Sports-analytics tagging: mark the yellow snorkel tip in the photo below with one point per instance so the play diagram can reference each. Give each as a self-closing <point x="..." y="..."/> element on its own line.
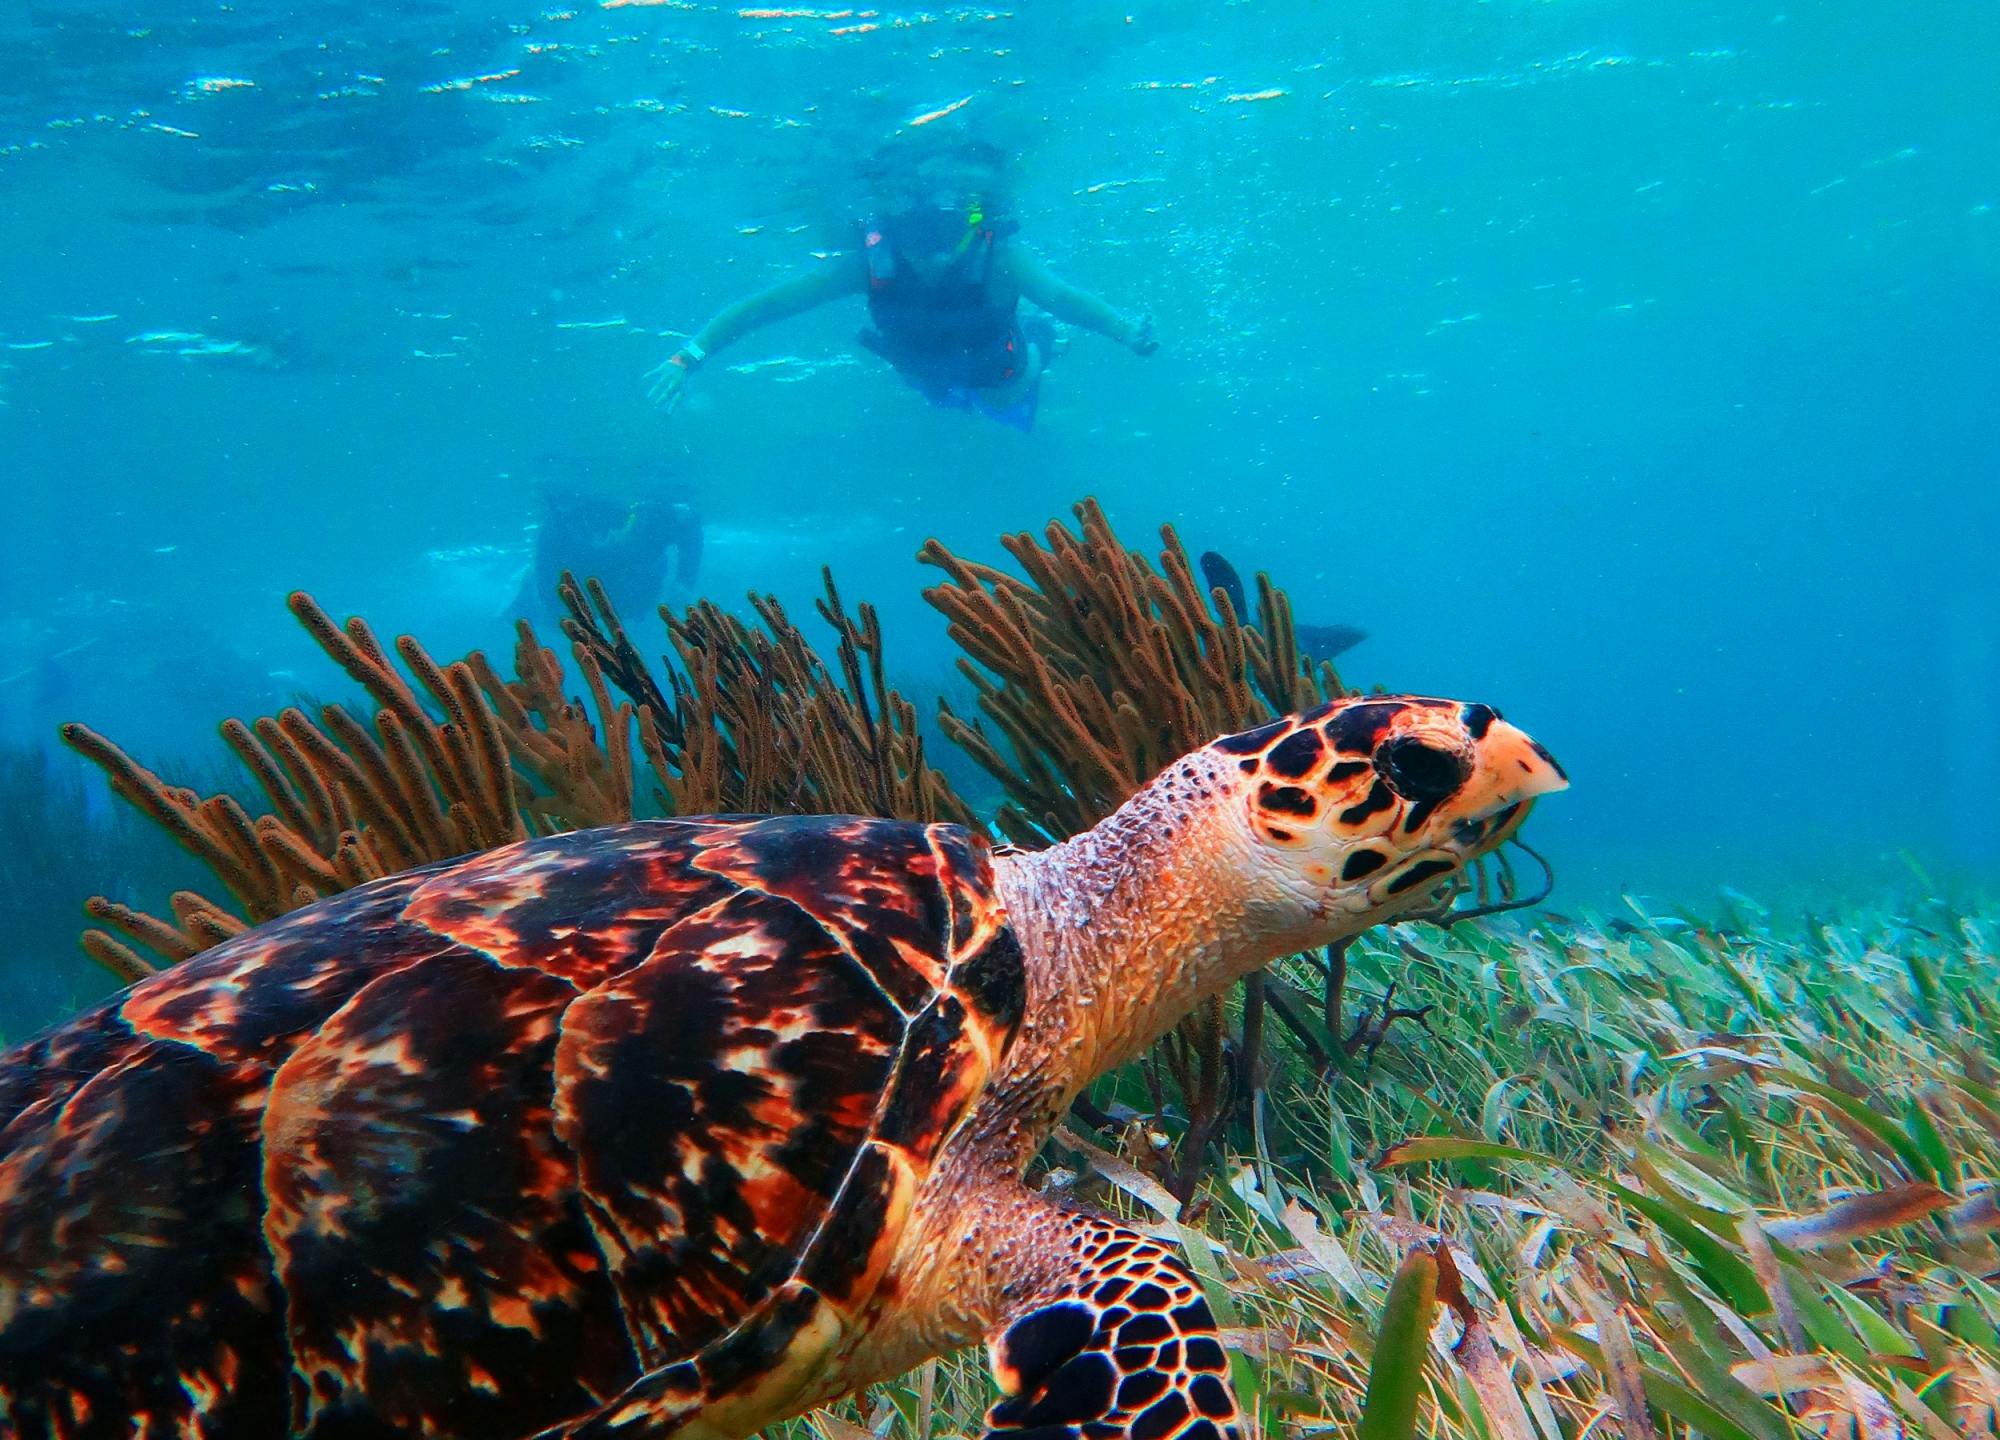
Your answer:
<point x="974" y="218"/>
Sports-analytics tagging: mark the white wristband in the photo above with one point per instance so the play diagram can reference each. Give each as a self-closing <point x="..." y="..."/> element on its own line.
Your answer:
<point x="694" y="352"/>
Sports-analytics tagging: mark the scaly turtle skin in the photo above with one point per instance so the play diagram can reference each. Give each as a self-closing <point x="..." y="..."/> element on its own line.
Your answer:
<point x="677" y="1128"/>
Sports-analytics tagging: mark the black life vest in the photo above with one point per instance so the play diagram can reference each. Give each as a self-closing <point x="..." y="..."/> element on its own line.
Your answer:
<point x="949" y="329"/>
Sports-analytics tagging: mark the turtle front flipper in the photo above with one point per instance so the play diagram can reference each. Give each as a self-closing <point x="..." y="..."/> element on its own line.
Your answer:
<point x="1121" y="1347"/>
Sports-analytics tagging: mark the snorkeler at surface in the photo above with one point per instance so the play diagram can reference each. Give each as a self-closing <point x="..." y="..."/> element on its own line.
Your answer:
<point x="622" y="542"/>
<point x="944" y="278"/>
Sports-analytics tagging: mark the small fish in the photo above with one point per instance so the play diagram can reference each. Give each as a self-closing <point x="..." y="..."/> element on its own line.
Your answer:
<point x="1322" y="642"/>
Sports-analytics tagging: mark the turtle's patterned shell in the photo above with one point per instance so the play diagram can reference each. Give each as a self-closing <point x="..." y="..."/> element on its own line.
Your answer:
<point x="464" y="1151"/>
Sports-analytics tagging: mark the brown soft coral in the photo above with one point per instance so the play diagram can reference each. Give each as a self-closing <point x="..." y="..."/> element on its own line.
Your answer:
<point x="472" y="760"/>
<point x="470" y="763"/>
<point x="1099" y="668"/>
<point x="754" y="721"/>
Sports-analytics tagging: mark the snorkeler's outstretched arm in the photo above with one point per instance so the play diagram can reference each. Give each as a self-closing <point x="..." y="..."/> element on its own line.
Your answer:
<point x="1075" y="306"/>
<point x="802" y="292"/>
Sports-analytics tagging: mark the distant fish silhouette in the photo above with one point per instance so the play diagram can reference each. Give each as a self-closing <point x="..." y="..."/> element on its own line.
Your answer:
<point x="1322" y="642"/>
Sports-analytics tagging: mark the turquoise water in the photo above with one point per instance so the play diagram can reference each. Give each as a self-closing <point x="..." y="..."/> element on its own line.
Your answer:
<point x="1628" y="367"/>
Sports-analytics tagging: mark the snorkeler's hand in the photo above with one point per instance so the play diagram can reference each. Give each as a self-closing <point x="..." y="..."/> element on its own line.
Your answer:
<point x="669" y="378"/>
<point x="1142" y="341"/>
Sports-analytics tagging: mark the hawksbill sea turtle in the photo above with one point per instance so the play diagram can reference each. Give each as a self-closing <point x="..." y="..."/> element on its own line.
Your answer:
<point x="682" y="1127"/>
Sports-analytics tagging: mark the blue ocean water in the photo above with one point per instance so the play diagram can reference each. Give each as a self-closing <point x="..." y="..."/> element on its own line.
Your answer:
<point x="1626" y="366"/>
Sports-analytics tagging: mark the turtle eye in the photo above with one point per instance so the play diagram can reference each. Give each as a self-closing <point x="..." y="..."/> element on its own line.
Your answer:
<point x="1420" y="772"/>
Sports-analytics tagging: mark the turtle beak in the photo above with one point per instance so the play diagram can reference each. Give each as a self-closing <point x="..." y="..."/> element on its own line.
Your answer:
<point x="1510" y="772"/>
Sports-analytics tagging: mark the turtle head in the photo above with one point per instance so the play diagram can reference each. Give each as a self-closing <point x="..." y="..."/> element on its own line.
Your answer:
<point x="1257" y="845"/>
<point x="1364" y="808"/>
